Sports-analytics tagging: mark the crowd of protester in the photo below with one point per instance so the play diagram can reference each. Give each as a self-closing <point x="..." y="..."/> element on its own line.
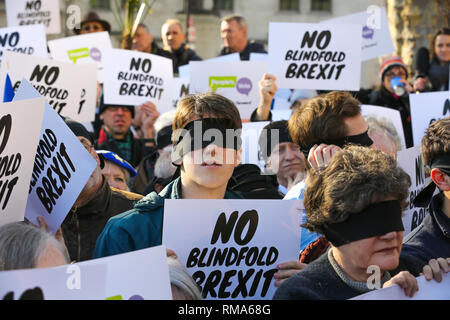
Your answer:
<point x="342" y="165"/>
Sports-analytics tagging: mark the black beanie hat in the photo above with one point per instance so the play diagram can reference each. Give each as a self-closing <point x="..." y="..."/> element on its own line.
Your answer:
<point x="265" y="140"/>
<point x="78" y="129"/>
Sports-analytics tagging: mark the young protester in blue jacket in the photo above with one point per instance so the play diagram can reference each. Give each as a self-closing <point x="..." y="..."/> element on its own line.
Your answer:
<point x="205" y="167"/>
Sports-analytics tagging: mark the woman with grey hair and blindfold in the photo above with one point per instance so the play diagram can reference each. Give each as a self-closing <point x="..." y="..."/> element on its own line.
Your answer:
<point x="357" y="203"/>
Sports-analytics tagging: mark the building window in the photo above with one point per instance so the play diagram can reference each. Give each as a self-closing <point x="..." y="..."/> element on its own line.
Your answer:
<point x="101" y="4"/>
<point x="289" y="5"/>
<point x="321" y="5"/>
<point x="223" y="5"/>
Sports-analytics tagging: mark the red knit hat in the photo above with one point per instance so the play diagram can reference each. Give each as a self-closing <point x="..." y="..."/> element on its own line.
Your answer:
<point x="390" y="62"/>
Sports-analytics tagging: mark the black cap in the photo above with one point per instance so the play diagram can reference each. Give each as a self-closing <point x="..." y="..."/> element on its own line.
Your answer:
<point x="265" y="140"/>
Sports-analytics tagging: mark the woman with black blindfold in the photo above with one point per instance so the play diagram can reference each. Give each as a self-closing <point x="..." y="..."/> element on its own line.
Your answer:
<point x="357" y="203"/>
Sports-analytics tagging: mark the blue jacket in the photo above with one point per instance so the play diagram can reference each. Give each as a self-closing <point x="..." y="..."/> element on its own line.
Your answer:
<point x="140" y="227"/>
<point x="430" y="240"/>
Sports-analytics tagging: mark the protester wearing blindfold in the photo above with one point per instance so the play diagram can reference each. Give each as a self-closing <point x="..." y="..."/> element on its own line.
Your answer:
<point x="206" y="149"/>
<point x="429" y="243"/>
<point x="356" y="202"/>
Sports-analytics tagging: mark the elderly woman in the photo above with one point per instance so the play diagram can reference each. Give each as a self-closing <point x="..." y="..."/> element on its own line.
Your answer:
<point x="356" y="202"/>
<point x="116" y="170"/>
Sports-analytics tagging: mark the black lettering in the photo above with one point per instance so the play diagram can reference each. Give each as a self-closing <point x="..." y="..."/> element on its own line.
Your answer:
<point x="225" y="283"/>
<point x="224" y="228"/>
<point x="241" y="288"/>
<point x="250" y="218"/>
<point x="192" y="258"/>
<point x="211" y="282"/>
<point x="44" y="199"/>
<point x="5" y="130"/>
<point x="308" y="39"/>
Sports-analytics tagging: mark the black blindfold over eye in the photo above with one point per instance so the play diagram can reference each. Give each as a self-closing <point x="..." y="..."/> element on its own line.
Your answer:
<point x="375" y="220"/>
<point x="198" y="134"/>
<point x="362" y="139"/>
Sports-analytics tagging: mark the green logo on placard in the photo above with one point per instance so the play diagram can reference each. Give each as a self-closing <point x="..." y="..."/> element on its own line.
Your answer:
<point x="76" y="54"/>
<point x="222" y="82"/>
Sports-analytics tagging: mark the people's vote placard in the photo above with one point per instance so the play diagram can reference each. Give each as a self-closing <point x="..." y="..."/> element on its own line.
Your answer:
<point x="82" y="49"/>
<point x="315" y="56"/>
<point x="34" y="12"/>
<point x="375" y="34"/>
<point x="232" y="247"/>
<point x="236" y="80"/>
<point x="70" y="89"/>
<point x="20" y="125"/>
<point x="62" y="166"/>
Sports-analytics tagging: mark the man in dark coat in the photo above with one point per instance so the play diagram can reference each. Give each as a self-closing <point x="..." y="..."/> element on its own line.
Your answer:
<point x="233" y="30"/>
<point x="175" y="42"/>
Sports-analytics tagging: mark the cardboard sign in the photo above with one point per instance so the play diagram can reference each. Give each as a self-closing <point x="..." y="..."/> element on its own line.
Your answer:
<point x="428" y="290"/>
<point x="27" y="40"/>
<point x="238" y="81"/>
<point x="20" y="125"/>
<point x="410" y="160"/>
<point x="184" y="71"/>
<point x="225" y="246"/>
<point x="69" y="282"/>
<point x="70" y="90"/>
<point x="375" y="34"/>
<point x="388" y="116"/>
<point x="315" y="56"/>
<point x="132" y="78"/>
<point x="180" y="89"/>
<point x="251" y="132"/>
<point x="30" y="12"/>
<point x="85" y="48"/>
<point x="255" y="56"/>
<point x="61" y="169"/>
<point x="427" y="108"/>
<point x="146" y="276"/>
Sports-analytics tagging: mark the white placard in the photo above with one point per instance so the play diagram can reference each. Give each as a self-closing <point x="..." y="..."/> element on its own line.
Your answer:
<point x="315" y="56"/>
<point x="20" y="125"/>
<point x="225" y="244"/>
<point x="69" y="282"/>
<point x="184" y="71"/>
<point x="71" y="90"/>
<point x="81" y="49"/>
<point x="376" y="36"/>
<point x="281" y="114"/>
<point x="410" y="160"/>
<point x="27" y="40"/>
<point x="428" y="290"/>
<point x="132" y="78"/>
<point x="390" y="116"/>
<point x="251" y="132"/>
<point x="61" y="169"/>
<point x="255" y="56"/>
<point x="31" y="12"/>
<point x="180" y="89"/>
<point x="427" y="108"/>
<point x="146" y="276"/>
<point x="238" y="81"/>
